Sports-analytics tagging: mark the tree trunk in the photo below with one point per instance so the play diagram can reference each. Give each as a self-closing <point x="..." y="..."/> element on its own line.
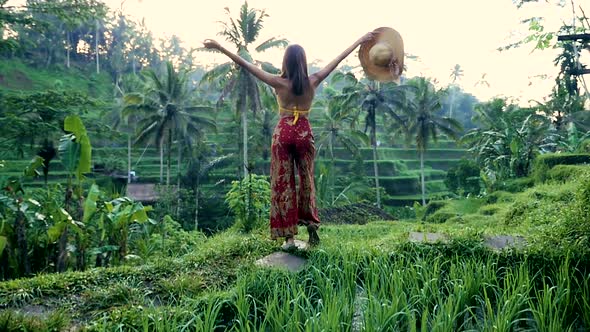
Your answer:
<point x="62" y="257"/>
<point x="123" y="244"/>
<point x="375" y="157"/>
<point x="422" y="178"/>
<point x="332" y="170"/>
<point x="161" y="161"/>
<point x="63" y="239"/>
<point x="128" y="158"/>
<point x="244" y="138"/>
<point x="169" y="157"/>
<point x="68" y="46"/>
<point x="81" y="254"/>
<point x="452" y="103"/>
<point x="99" y="256"/>
<point x="96" y="49"/>
<point x="178" y="179"/>
<point x="197" y="204"/>
<point x="21" y="240"/>
<point x="133" y="63"/>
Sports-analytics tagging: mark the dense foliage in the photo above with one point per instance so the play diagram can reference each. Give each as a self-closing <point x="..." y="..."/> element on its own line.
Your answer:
<point x="92" y="104"/>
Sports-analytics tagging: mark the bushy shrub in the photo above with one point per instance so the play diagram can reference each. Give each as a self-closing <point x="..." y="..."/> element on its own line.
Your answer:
<point x="489" y="210"/>
<point x="168" y="204"/>
<point x="170" y="240"/>
<point x="516" y="185"/>
<point x="545" y="162"/>
<point x="564" y="173"/>
<point x="584" y="146"/>
<point x="249" y="200"/>
<point x="517" y="210"/>
<point x="577" y="228"/>
<point x="358" y="213"/>
<point x="464" y="178"/>
<point x="499" y="196"/>
<point x="432" y="207"/>
<point x="435" y="186"/>
<point x="440" y="217"/>
<point x="402" y="212"/>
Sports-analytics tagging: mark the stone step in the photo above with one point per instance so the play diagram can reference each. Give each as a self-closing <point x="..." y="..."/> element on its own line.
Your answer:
<point x="282" y="260"/>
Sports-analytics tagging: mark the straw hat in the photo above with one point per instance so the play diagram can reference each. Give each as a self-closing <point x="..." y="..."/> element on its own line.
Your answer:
<point x="382" y="57"/>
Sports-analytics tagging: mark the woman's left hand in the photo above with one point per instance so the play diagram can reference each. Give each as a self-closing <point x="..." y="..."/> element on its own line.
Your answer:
<point x="211" y="44"/>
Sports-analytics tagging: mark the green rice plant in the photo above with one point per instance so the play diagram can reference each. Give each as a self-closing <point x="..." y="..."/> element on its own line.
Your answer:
<point x="52" y="322"/>
<point x="547" y="309"/>
<point x="467" y="279"/>
<point x="246" y="309"/>
<point x="583" y="300"/>
<point x="510" y="308"/>
<point x="175" y="288"/>
<point x="336" y="287"/>
<point x="384" y="310"/>
<point x="117" y="295"/>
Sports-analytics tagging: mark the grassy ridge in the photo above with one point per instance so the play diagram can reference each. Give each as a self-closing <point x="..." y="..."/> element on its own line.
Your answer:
<point x="360" y="277"/>
<point x="17" y="77"/>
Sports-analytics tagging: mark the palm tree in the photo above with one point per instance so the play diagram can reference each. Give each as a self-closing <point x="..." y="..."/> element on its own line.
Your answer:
<point x="424" y="124"/>
<point x="482" y="81"/>
<point x="373" y="97"/>
<point x="199" y="166"/>
<point x="264" y="121"/>
<point x="508" y="138"/>
<point x="456" y="74"/>
<point x="167" y="112"/>
<point x="339" y="127"/>
<point x="237" y="82"/>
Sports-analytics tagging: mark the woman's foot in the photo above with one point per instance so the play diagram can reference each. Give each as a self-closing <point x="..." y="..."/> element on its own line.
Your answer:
<point x="312" y="230"/>
<point x="289" y="243"/>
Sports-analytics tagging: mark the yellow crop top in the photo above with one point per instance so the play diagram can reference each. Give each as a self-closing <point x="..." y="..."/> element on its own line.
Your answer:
<point x="296" y="112"/>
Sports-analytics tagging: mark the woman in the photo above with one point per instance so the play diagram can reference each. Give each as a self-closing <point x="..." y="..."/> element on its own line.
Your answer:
<point x="292" y="140"/>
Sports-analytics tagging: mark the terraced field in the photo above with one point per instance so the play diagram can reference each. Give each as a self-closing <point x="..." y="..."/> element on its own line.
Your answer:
<point x="399" y="172"/>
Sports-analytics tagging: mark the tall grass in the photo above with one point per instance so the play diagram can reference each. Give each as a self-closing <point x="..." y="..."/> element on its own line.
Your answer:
<point x="414" y="288"/>
<point x="404" y="291"/>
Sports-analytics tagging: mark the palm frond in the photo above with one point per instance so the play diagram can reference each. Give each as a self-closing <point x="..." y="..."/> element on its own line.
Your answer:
<point x="271" y="43"/>
<point x="269" y="67"/>
<point x="204" y="169"/>
<point x="217" y="73"/>
<point x="145" y="132"/>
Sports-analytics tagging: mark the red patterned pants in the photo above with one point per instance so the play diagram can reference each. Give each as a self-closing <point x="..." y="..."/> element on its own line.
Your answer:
<point x="292" y="148"/>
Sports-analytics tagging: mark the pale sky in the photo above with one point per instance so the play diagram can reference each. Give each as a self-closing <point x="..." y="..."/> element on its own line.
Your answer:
<point x="441" y="33"/>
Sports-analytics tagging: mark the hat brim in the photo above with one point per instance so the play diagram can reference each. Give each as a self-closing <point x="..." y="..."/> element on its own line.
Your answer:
<point x="383" y="73"/>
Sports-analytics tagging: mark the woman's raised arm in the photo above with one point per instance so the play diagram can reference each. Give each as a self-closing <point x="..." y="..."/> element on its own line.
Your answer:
<point x="268" y="78"/>
<point x="318" y="77"/>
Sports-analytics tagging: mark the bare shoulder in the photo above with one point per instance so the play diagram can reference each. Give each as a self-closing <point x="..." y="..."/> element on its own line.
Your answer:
<point x="315" y="80"/>
<point x="280" y="84"/>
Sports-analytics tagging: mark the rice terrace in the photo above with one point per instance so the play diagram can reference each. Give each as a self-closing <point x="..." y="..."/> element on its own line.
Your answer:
<point x="294" y="166"/>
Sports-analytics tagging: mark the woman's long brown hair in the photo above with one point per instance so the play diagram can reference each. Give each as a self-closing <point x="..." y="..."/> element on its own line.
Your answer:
<point x="295" y="69"/>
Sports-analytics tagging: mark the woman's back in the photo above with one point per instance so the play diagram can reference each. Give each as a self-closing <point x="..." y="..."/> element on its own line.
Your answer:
<point x="289" y="100"/>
